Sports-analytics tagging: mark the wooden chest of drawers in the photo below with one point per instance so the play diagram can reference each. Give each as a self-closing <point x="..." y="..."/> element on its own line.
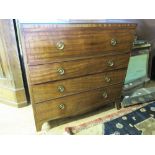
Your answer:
<point x="73" y="68"/>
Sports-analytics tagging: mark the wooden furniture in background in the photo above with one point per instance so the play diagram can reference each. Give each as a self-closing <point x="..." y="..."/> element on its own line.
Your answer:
<point x="73" y="68"/>
<point x="12" y="89"/>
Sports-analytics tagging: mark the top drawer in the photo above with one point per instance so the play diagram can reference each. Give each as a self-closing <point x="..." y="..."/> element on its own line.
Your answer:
<point x="60" y="42"/>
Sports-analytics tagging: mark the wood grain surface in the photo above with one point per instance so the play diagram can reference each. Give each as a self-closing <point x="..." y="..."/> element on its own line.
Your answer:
<point x="47" y="91"/>
<point x="76" y="104"/>
<point x="79" y="42"/>
<point x="49" y="72"/>
<point x="12" y="90"/>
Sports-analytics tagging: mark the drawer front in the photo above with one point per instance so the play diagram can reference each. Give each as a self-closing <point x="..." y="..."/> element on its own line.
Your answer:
<point x="55" y="43"/>
<point x="58" y="71"/>
<point x="47" y="91"/>
<point x="76" y="104"/>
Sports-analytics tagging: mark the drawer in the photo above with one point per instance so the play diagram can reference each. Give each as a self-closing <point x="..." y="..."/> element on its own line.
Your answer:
<point x="59" y="43"/>
<point x="47" y="91"/>
<point x="64" y="70"/>
<point x="76" y="104"/>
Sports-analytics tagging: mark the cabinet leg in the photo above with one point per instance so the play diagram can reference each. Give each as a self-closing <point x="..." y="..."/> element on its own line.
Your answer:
<point x="39" y="126"/>
<point x="118" y="104"/>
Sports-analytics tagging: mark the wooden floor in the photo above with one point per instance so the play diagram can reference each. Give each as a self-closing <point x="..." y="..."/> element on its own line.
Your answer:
<point x="21" y="121"/>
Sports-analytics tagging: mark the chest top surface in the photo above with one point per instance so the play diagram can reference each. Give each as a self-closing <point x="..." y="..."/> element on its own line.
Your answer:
<point x="106" y="23"/>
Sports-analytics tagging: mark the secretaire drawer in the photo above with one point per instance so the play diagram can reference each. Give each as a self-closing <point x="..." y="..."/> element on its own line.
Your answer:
<point x="55" y="43"/>
<point x="51" y="90"/>
<point x="76" y="104"/>
<point x="58" y="71"/>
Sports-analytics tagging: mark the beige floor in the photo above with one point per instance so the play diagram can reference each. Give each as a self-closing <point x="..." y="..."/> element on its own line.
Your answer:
<point x="20" y="120"/>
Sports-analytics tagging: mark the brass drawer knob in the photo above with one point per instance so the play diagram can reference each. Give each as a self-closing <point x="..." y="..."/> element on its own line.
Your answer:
<point x="61" y="106"/>
<point x="113" y="42"/>
<point x="107" y="79"/>
<point x="110" y="63"/>
<point x="60" y="45"/>
<point x="105" y="95"/>
<point x="61" y="89"/>
<point x="61" y="71"/>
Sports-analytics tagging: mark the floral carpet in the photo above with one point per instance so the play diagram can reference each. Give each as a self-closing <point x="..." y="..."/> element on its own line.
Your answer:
<point x="135" y="120"/>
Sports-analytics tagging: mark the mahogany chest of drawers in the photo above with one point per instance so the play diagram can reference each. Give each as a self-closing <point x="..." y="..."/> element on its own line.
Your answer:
<point x="73" y="68"/>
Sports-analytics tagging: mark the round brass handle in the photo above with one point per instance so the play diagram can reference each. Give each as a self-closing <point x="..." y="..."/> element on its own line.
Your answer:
<point x="107" y="79"/>
<point x="61" y="71"/>
<point x="110" y="63"/>
<point x="60" y="45"/>
<point x="61" y="106"/>
<point x="113" y="42"/>
<point x="105" y="95"/>
<point x="61" y="89"/>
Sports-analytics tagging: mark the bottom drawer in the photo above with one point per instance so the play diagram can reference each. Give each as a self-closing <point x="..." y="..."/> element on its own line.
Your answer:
<point x="76" y="104"/>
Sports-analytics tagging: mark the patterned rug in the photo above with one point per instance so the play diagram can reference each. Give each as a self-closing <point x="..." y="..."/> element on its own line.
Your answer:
<point x="137" y="120"/>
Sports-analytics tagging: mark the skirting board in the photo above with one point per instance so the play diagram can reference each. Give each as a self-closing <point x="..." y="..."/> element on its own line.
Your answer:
<point x="13" y="97"/>
<point x="13" y="104"/>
